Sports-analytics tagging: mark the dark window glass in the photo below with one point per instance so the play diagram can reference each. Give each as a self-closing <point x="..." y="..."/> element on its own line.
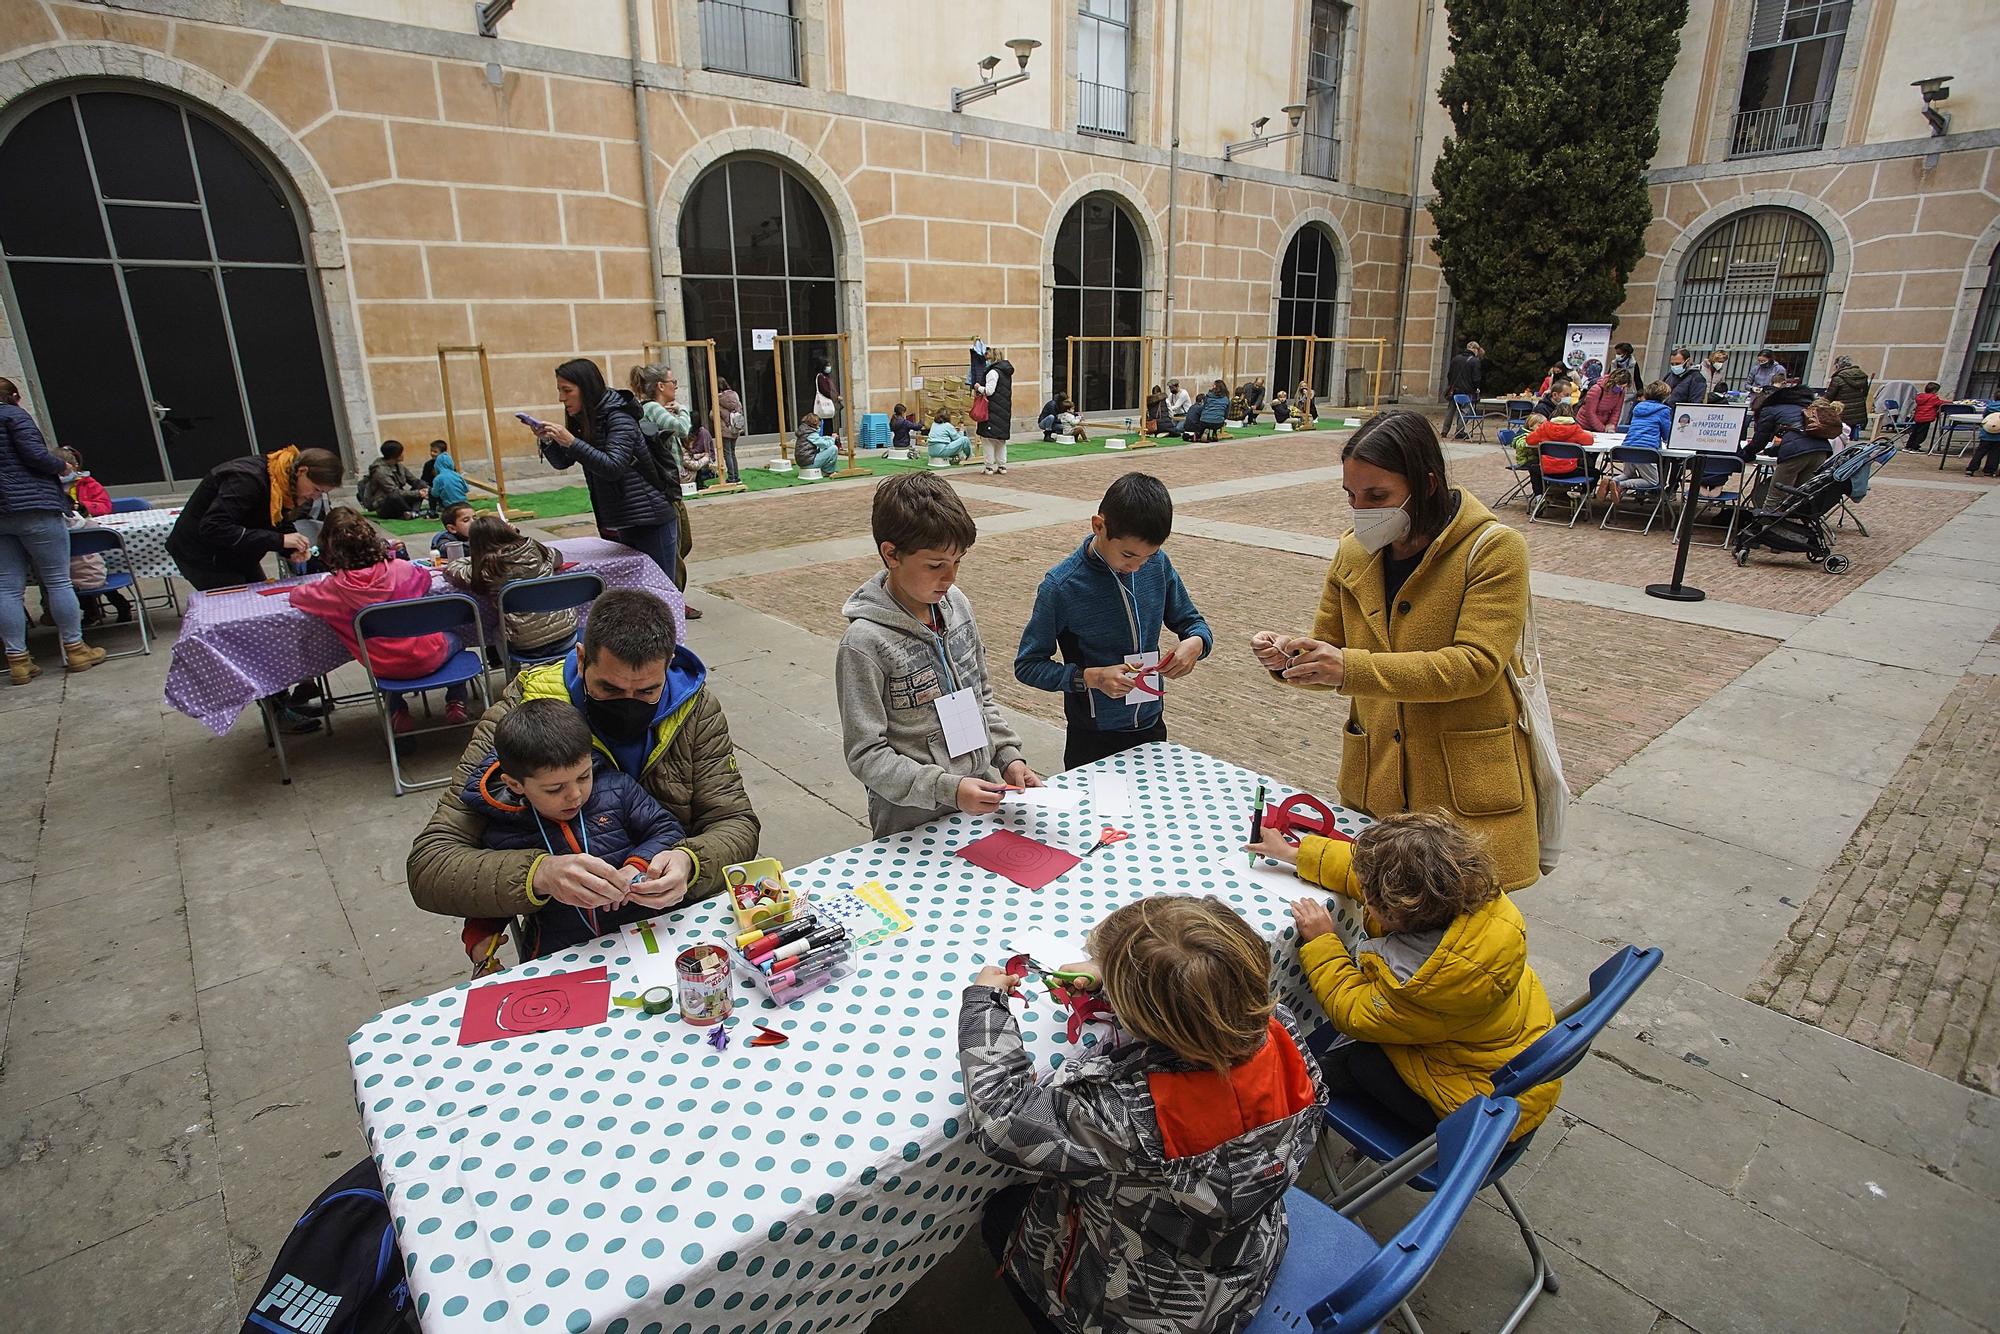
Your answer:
<point x="157" y="233"/>
<point x="90" y="391"/>
<point x="757" y="221"/>
<point x="808" y="244"/>
<point x="277" y="344"/>
<point x="1308" y="282"/>
<point x="1097" y="243"/>
<point x="1063" y="323"/>
<point x="1100" y="271"/>
<point x="249" y="213"/>
<point x="705" y="227"/>
<point x="1125" y="313"/>
<point x="1069" y="250"/>
<point x="57" y="217"/>
<point x="139" y="147"/>
<point x="1128" y="261"/>
<point x="181" y="336"/>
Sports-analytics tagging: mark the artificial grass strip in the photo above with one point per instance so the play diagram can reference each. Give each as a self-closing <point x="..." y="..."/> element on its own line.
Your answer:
<point x="572" y="500"/>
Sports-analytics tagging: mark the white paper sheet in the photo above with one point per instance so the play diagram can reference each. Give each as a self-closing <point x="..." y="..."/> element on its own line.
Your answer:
<point x="964" y="722"/>
<point x="1111" y="794"/>
<point x="1053" y="798"/>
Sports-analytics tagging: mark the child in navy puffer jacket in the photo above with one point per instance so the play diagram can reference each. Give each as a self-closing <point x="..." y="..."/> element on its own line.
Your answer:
<point x="539" y="788"/>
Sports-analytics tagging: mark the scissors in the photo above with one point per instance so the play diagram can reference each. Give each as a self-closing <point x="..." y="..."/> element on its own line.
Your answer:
<point x="1110" y="836"/>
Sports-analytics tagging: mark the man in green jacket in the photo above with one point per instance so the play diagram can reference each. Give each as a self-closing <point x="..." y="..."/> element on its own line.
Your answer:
<point x="650" y="715"/>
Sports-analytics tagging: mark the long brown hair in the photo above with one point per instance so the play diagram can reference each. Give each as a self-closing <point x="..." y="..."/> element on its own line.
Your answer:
<point x="1189" y="974"/>
<point x="488" y="537"/>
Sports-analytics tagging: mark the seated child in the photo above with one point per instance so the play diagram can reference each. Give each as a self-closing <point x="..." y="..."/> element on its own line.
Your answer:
<point x="1650" y="427"/>
<point x="1924" y="415"/>
<point x="1161" y="1163"/>
<point x="911" y="641"/>
<point x="88" y="498"/>
<point x="812" y="449"/>
<point x="439" y="450"/>
<point x="389" y="490"/>
<point x="1986" y="454"/>
<point x="447" y="484"/>
<point x="1281" y="407"/>
<point x="1440" y="995"/>
<point x="1069" y="422"/>
<point x="1305" y="408"/>
<point x="87" y="495"/>
<point x="698" y="458"/>
<point x="901" y="427"/>
<point x="500" y="554"/>
<point x="538" y="788"/>
<point x="363" y="575"/>
<point x="946" y="441"/>
<point x="457" y="526"/>
<point x="1527" y="448"/>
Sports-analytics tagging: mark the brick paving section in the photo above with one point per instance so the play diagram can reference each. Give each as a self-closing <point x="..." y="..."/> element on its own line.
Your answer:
<point x="789" y="519"/>
<point x="1899" y="947"/>
<point x="1616" y="680"/>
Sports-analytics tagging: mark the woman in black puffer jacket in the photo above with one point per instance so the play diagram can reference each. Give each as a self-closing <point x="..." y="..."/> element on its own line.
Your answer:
<point x="601" y="432"/>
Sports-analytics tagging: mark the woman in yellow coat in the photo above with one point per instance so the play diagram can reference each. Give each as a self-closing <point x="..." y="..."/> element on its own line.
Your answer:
<point x="1419" y="618"/>
<point x="1440" y="995"/>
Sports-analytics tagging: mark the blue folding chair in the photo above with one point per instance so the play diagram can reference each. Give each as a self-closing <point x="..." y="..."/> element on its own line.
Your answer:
<point x="551" y="592"/>
<point x="1654" y="491"/>
<point x="1523" y="479"/>
<point x="406" y="619"/>
<point x="101" y="542"/>
<point x="130" y="504"/>
<point x="1722" y="481"/>
<point x="1577" y="485"/>
<point x="1383" y="1139"/>
<point x="1519" y="410"/>
<point x="1469" y="415"/>
<point x="1334" y="1276"/>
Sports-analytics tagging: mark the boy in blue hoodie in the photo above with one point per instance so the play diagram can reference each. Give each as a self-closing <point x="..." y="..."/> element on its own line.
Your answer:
<point x="1105" y="602"/>
<point x="540" y="788"/>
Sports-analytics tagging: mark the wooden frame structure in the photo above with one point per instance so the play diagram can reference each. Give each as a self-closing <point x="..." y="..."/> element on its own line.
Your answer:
<point x="1139" y="440"/>
<point x="842" y="360"/>
<point x="499" y="487"/>
<point x="647" y="350"/>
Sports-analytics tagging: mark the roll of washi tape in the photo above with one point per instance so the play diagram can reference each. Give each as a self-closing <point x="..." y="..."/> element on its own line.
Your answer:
<point x="653" y="1000"/>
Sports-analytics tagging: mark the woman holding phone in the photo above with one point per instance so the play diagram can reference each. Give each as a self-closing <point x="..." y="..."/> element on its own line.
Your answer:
<point x="600" y="431"/>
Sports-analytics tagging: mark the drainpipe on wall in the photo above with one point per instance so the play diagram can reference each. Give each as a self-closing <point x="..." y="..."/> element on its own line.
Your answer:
<point x="1424" y="99"/>
<point x="1173" y="206"/>
<point x="650" y="202"/>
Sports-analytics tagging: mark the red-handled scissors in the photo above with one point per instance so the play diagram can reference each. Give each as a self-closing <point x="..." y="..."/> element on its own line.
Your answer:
<point x="1110" y="836"/>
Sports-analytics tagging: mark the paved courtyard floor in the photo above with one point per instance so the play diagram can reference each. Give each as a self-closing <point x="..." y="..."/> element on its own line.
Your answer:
<point x="1789" y="787"/>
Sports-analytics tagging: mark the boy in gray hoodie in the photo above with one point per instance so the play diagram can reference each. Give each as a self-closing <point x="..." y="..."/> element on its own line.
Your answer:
<point x="918" y="720"/>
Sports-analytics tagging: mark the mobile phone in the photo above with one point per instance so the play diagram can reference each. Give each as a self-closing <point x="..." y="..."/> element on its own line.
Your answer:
<point x="528" y="421"/>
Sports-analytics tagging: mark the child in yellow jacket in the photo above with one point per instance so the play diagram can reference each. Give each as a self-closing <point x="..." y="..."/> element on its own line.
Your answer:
<point x="1440" y="995"/>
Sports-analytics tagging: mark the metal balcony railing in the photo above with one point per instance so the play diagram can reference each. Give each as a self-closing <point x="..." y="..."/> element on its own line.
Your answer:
<point x="740" y="39"/>
<point x="1320" y="156"/>
<point x="1103" y="110"/>
<point x="1798" y="128"/>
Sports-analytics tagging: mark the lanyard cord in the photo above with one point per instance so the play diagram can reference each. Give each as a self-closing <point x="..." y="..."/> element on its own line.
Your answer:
<point x="541" y="829"/>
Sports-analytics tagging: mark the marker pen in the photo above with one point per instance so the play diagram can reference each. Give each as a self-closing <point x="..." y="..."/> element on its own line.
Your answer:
<point x="798" y="979"/>
<point x="795" y="948"/>
<point x="778" y="936"/>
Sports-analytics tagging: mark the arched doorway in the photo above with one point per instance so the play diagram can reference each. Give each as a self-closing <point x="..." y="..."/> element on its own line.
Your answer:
<point x="1757" y="279"/>
<point x="757" y="255"/>
<point x="157" y="272"/>
<point x="1100" y="290"/>
<point x="1982" y="366"/>
<point x="1308" y="302"/>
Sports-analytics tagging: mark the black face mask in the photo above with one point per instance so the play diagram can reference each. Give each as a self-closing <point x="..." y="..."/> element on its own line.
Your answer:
<point x="620" y="721"/>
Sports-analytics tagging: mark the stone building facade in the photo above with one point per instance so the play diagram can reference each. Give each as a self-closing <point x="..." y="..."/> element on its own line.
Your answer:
<point x="454" y="188"/>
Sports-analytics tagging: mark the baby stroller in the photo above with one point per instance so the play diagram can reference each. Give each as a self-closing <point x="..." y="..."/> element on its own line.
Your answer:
<point x="1797" y="522"/>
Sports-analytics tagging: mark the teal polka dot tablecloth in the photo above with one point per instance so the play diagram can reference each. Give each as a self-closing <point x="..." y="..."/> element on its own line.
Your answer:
<point x="631" y="1179"/>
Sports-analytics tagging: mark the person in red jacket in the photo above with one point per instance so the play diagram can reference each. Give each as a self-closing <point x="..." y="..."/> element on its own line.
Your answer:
<point x="1926" y="413"/>
<point x="363" y="575"/>
<point x="1527" y="447"/>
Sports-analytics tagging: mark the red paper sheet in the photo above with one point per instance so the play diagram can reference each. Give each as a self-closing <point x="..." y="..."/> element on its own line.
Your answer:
<point x="1027" y="863"/>
<point x="535" y="1005"/>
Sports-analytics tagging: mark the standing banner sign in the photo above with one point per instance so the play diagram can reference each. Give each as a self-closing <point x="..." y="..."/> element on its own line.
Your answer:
<point x="1710" y="430"/>
<point x="1586" y="343"/>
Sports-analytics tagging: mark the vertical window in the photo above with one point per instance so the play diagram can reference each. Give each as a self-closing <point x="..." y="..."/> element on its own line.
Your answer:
<point x="1788" y="76"/>
<point x="157" y="272"/>
<point x="1099" y="293"/>
<point x="1103" y="65"/>
<point x="1325" y="43"/>
<point x="759" y="38"/>
<point x="1756" y="280"/>
<point x="1308" y="290"/>
<point x="1982" y="379"/>
<point x="757" y="254"/>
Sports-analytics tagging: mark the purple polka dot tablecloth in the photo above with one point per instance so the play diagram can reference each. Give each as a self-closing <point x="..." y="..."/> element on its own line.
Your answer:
<point x="629" y="1177"/>
<point x="235" y="648"/>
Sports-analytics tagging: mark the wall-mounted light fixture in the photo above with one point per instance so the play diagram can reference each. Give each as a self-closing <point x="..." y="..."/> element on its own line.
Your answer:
<point x="1934" y="91"/>
<point x="1022" y="47"/>
<point x="1293" y="113"/>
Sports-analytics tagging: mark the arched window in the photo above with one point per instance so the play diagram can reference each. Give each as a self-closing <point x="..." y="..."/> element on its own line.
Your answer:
<point x="1982" y="368"/>
<point x="758" y="255"/>
<point x="1755" y="280"/>
<point x="1100" y="291"/>
<point x="157" y="273"/>
<point x="1308" y="288"/>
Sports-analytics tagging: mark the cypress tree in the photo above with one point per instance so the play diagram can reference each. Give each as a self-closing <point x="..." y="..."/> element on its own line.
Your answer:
<point x="1541" y="204"/>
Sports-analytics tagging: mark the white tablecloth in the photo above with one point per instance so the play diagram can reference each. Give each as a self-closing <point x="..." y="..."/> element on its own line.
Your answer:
<point x="630" y="1177"/>
<point x="145" y="533"/>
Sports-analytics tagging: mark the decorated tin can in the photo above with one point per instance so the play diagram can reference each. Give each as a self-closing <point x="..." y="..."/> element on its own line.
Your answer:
<point x="705" y="994"/>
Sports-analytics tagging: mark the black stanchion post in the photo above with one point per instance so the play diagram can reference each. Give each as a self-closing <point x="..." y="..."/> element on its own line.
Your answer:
<point x="1677" y="591"/>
